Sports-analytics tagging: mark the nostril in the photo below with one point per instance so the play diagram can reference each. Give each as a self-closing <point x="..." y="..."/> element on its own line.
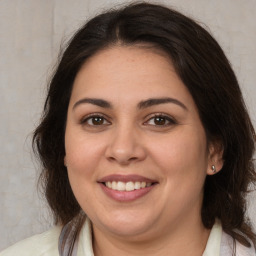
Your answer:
<point x="132" y="158"/>
<point x="122" y="160"/>
<point x="111" y="158"/>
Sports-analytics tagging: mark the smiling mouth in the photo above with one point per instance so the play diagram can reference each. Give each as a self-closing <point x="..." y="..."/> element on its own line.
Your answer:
<point x="127" y="186"/>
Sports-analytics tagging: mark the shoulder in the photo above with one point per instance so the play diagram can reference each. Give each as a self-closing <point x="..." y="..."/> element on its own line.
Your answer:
<point x="227" y="244"/>
<point x="39" y="245"/>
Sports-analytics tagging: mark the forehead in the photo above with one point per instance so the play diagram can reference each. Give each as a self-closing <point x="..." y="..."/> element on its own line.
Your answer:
<point x="129" y="72"/>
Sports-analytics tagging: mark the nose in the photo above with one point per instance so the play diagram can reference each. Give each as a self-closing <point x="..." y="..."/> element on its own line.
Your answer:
<point x="125" y="146"/>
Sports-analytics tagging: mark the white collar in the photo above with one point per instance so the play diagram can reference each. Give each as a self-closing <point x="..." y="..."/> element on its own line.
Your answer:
<point x="213" y="244"/>
<point x="85" y="240"/>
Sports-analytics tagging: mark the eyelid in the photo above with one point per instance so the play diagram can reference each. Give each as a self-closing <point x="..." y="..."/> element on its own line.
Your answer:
<point x="91" y="115"/>
<point x="170" y="119"/>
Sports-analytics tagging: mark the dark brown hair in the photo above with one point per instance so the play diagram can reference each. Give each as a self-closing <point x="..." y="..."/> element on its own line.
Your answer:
<point x="204" y="69"/>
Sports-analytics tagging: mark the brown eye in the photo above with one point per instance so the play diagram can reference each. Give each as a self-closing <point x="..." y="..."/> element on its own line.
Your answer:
<point x="95" y="120"/>
<point x="160" y="120"/>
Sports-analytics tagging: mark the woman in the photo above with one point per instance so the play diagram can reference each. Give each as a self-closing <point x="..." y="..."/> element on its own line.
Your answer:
<point x="145" y="142"/>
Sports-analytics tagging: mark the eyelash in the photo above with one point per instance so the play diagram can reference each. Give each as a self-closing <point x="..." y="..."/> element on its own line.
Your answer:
<point x="166" y="118"/>
<point x="91" y="116"/>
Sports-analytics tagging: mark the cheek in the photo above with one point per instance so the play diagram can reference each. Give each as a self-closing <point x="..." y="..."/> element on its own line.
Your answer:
<point x="82" y="158"/>
<point x="82" y="153"/>
<point x="182" y="152"/>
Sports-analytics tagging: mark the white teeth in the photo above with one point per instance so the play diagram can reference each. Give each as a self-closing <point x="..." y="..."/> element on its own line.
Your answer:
<point x="127" y="186"/>
<point x="137" y="185"/>
<point x="109" y="184"/>
<point x="120" y="186"/>
<point x="113" y="185"/>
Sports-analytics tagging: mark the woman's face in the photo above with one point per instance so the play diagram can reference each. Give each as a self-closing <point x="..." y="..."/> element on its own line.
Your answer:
<point x="136" y="150"/>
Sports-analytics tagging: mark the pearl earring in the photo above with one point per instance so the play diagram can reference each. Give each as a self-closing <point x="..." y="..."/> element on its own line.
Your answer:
<point x="214" y="169"/>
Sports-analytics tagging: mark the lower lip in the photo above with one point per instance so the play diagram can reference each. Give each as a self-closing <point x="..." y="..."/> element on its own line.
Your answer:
<point x="125" y="196"/>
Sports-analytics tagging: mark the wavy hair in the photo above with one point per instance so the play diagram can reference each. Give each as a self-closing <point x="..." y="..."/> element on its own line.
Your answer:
<point x="204" y="69"/>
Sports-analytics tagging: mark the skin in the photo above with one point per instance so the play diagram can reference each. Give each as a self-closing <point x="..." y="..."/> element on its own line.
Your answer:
<point x="129" y="140"/>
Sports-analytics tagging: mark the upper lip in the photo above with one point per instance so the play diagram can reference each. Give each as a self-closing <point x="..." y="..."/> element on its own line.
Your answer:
<point x="126" y="178"/>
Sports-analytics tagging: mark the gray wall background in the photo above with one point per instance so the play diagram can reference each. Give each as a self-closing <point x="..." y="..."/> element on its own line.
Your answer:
<point x="31" y="32"/>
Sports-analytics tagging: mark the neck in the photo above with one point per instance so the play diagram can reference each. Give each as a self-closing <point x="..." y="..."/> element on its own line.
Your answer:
<point x="190" y="238"/>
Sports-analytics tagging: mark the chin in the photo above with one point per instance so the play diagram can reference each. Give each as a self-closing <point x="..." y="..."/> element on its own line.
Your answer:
<point x="126" y="226"/>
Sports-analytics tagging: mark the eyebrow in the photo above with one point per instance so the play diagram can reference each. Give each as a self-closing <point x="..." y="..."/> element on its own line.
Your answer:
<point x="98" y="102"/>
<point x="157" y="101"/>
<point x="141" y="105"/>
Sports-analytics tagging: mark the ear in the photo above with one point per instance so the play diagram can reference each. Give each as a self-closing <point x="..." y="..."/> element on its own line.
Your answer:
<point x="215" y="157"/>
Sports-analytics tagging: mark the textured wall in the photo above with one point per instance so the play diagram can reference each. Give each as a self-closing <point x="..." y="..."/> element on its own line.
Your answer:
<point x="30" y="34"/>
